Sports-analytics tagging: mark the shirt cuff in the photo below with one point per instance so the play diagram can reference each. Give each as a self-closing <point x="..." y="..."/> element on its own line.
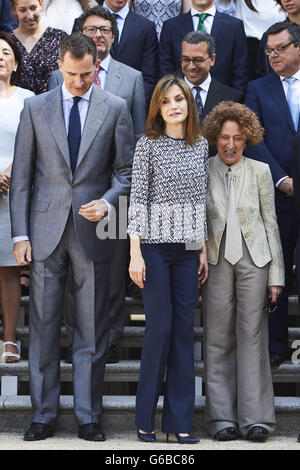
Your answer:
<point x="109" y="207"/>
<point x="279" y="181"/>
<point x="21" y="238"/>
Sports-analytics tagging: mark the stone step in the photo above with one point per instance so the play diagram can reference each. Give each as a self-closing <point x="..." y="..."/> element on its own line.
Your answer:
<point x="128" y="371"/>
<point x="133" y="336"/>
<point x="119" y="414"/>
<point x="136" y="305"/>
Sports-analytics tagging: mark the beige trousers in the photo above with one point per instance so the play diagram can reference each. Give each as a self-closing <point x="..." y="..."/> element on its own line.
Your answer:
<point x="239" y="389"/>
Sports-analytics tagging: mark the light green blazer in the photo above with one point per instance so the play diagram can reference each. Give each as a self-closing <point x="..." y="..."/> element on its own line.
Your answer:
<point x="256" y="213"/>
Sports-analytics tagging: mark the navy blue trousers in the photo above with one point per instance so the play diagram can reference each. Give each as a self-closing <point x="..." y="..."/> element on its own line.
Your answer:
<point x="169" y="295"/>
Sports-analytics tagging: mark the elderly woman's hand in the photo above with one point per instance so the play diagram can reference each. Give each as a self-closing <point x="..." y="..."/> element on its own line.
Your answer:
<point x="274" y="293"/>
<point x="4" y="183"/>
<point x="203" y="265"/>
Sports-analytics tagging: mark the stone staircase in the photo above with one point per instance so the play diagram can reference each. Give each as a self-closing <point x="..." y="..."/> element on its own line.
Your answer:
<point x="121" y="380"/>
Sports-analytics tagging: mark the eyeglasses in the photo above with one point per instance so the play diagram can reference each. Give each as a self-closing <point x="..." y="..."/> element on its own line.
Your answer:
<point x="196" y="60"/>
<point x="278" y="49"/>
<point x="92" y="30"/>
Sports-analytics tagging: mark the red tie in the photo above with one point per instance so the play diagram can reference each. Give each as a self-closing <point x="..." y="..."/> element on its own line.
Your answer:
<point x="97" y="80"/>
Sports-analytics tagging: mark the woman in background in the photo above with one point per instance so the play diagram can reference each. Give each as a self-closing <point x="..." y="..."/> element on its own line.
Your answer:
<point x="39" y="45"/>
<point x="257" y="16"/>
<point x="61" y="14"/>
<point x="160" y="10"/>
<point x="11" y="104"/>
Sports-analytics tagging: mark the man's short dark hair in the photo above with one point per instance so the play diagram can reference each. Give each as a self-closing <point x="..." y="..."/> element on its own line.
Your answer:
<point x="78" y="45"/>
<point x="195" y="37"/>
<point x="98" y="11"/>
<point x="293" y="30"/>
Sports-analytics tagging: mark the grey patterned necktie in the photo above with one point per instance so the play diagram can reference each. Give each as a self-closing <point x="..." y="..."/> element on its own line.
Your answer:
<point x="198" y="100"/>
<point x="233" y="243"/>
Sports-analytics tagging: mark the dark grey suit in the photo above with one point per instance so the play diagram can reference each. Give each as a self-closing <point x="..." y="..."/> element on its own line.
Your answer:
<point x="45" y="198"/>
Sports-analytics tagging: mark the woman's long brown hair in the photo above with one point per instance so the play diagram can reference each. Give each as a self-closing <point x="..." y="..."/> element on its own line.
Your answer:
<point x="155" y="125"/>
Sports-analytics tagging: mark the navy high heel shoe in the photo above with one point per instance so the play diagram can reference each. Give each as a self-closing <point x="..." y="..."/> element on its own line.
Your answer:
<point x="146" y="437"/>
<point x="185" y="439"/>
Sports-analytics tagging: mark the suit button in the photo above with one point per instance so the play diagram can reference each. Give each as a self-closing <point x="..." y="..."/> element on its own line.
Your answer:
<point x="68" y="208"/>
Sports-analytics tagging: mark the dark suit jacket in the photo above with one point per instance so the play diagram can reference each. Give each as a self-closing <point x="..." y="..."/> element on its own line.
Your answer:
<point x="266" y="98"/>
<point x="7" y="21"/>
<point x="296" y="172"/>
<point x="231" y="66"/>
<point x="138" y="48"/>
<point x="219" y="92"/>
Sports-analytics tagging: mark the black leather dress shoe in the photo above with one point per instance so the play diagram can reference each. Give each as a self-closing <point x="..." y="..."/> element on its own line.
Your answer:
<point x="91" y="432"/>
<point x="258" y="434"/>
<point x="226" y="434"/>
<point x="276" y="360"/>
<point x="38" y="432"/>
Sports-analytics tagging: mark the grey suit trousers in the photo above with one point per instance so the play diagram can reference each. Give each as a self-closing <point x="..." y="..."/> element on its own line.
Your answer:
<point x="239" y="389"/>
<point x="115" y="295"/>
<point x="90" y="334"/>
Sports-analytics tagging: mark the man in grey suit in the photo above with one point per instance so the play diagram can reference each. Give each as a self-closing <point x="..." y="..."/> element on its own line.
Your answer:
<point x="72" y="161"/>
<point x="115" y="77"/>
<point x="128" y="83"/>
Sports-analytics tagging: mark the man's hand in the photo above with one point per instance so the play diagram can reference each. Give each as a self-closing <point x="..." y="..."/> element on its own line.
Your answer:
<point x="22" y="252"/>
<point x="4" y="183"/>
<point x="94" y="210"/>
<point x="287" y="187"/>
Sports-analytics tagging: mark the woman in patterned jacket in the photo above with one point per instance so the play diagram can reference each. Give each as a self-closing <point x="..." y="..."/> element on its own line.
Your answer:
<point x="167" y="223"/>
<point x="245" y="262"/>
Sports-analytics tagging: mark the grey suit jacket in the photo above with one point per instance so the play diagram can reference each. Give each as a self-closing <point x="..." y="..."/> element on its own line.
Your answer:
<point x="43" y="189"/>
<point x="123" y="81"/>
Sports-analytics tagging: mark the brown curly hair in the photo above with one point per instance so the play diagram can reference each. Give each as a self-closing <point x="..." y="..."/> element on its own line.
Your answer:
<point x="239" y="113"/>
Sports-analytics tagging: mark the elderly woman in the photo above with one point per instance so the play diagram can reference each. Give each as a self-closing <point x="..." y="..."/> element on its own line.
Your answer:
<point x="11" y="104"/>
<point x="245" y="262"/>
<point x="166" y="216"/>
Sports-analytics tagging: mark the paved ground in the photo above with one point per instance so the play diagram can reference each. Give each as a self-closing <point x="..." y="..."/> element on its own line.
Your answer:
<point x="120" y="442"/>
